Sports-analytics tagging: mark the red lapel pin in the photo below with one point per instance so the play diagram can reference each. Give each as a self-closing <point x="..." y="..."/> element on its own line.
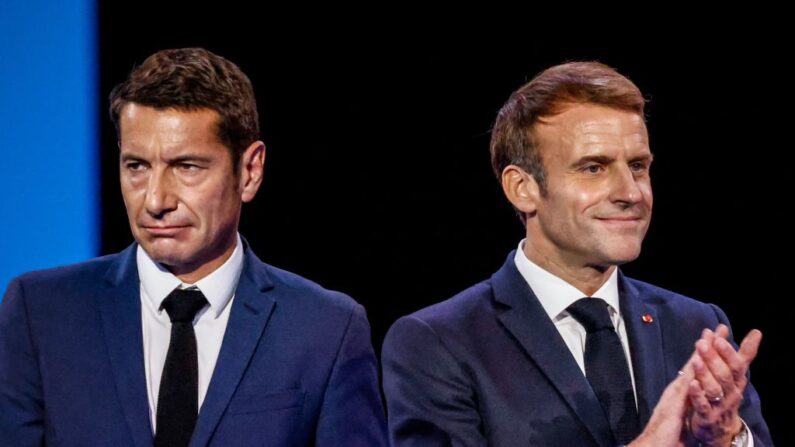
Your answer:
<point x="647" y="318"/>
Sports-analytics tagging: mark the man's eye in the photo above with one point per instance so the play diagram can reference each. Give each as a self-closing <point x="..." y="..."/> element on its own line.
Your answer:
<point x="638" y="166"/>
<point x="593" y="169"/>
<point x="188" y="167"/>
<point x="134" y="166"/>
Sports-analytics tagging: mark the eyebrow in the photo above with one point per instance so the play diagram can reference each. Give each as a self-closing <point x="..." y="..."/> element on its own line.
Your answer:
<point x="127" y="157"/>
<point x="602" y="159"/>
<point x="176" y="160"/>
<point x="188" y="158"/>
<point x="647" y="157"/>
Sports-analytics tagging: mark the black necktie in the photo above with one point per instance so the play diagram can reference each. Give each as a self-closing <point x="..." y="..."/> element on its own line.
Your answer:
<point x="178" y="399"/>
<point x="606" y="368"/>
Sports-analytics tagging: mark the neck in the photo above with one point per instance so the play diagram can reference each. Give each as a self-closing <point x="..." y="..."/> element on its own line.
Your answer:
<point x="586" y="278"/>
<point x="190" y="274"/>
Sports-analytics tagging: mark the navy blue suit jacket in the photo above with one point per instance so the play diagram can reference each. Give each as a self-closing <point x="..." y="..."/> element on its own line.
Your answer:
<point x="296" y="366"/>
<point x="488" y="367"/>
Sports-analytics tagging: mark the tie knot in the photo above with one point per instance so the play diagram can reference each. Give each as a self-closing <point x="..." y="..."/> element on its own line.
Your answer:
<point x="591" y="313"/>
<point x="182" y="304"/>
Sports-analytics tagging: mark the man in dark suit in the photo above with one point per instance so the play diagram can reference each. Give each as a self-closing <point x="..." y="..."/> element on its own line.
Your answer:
<point x="186" y="337"/>
<point x="558" y="348"/>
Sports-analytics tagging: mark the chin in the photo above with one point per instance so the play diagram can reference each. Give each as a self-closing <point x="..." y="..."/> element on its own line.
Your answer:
<point x="621" y="253"/>
<point x="166" y="260"/>
<point x="168" y="256"/>
<point x="625" y="256"/>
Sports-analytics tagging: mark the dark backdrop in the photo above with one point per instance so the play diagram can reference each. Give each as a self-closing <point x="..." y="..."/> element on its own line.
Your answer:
<point x="378" y="181"/>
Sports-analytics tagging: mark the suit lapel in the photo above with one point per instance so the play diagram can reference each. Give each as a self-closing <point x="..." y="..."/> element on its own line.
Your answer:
<point x="251" y="308"/>
<point x="645" y="345"/>
<point x="120" y="308"/>
<point x="525" y="318"/>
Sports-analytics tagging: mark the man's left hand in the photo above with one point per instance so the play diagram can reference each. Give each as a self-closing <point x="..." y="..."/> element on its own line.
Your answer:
<point x="716" y="393"/>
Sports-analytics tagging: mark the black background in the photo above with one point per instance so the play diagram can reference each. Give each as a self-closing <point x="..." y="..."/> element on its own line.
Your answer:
<point x="378" y="181"/>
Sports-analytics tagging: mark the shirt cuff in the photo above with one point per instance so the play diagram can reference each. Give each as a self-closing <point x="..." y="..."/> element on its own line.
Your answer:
<point x="746" y="438"/>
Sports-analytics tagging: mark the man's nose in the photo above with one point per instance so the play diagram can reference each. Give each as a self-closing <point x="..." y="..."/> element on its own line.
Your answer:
<point x="160" y="197"/>
<point x="625" y="188"/>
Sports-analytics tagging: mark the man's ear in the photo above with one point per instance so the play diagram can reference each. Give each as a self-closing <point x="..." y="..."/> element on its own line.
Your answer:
<point x="252" y="167"/>
<point x="521" y="189"/>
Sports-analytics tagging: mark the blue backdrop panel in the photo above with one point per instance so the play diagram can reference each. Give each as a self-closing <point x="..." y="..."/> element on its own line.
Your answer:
<point x="48" y="137"/>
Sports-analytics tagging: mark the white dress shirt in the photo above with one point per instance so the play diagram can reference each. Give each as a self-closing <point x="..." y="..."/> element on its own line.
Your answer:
<point x="556" y="295"/>
<point x="209" y="325"/>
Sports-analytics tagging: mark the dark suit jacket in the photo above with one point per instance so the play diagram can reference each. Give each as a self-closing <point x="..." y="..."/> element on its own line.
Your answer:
<point x="488" y="367"/>
<point x="296" y="366"/>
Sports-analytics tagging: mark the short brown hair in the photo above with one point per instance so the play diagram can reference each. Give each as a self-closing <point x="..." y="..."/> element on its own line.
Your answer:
<point x="549" y="93"/>
<point x="190" y="79"/>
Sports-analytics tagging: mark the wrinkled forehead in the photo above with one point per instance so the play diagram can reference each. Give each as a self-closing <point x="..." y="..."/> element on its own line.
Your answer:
<point x="585" y="128"/>
<point x="169" y="132"/>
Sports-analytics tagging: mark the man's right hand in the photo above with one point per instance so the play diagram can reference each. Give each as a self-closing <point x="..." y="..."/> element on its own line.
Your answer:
<point x="666" y="425"/>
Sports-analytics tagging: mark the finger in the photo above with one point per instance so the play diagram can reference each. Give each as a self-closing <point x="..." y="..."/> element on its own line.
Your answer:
<point x="708" y="383"/>
<point x="707" y="335"/>
<point x="674" y="397"/>
<point x="742" y="357"/>
<point x="698" y="401"/>
<point x="737" y="362"/>
<point x="722" y="331"/>
<point x="711" y="357"/>
<point x="687" y="368"/>
<point x="750" y="345"/>
<point x="719" y="370"/>
<point x="679" y="385"/>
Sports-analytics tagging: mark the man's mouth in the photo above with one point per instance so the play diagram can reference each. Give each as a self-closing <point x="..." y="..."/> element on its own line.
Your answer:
<point x="621" y="221"/>
<point x="163" y="230"/>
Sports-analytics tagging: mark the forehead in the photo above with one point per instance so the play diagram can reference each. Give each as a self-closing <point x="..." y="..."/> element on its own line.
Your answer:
<point x="587" y="128"/>
<point x="141" y="124"/>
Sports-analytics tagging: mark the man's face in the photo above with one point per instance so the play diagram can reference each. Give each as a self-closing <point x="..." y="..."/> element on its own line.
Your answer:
<point x="182" y="196"/>
<point x="598" y="203"/>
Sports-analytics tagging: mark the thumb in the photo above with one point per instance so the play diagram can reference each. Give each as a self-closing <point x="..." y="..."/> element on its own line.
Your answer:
<point x="674" y="398"/>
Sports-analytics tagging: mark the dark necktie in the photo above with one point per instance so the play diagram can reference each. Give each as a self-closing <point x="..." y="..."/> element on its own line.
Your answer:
<point x="178" y="399"/>
<point x="606" y="368"/>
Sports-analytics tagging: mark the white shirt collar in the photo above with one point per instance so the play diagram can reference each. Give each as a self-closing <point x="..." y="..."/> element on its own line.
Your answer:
<point x="556" y="294"/>
<point x="218" y="287"/>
